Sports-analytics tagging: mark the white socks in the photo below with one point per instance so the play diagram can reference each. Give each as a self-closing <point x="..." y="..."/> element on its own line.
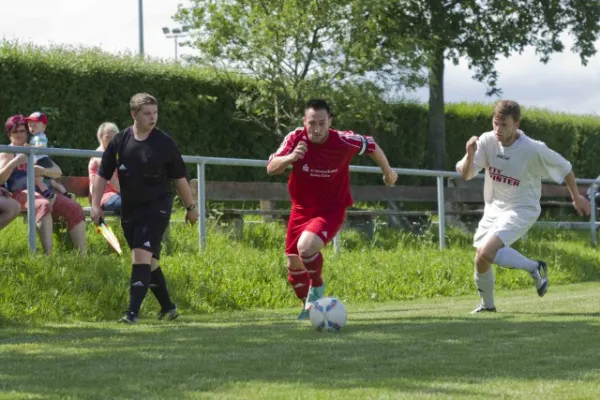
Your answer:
<point x="510" y="258"/>
<point x="485" y="287"/>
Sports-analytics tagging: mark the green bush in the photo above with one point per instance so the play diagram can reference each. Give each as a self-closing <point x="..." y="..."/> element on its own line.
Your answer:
<point x="81" y="88"/>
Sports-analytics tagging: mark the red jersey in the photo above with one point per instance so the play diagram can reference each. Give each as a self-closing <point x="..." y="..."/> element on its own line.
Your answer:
<point x="322" y="178"/>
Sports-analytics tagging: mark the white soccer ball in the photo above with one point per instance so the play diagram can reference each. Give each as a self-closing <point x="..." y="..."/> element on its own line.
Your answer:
<point x="328" y="314"/>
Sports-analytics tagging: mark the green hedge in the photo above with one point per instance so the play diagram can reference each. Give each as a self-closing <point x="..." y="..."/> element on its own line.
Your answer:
<point x="81" y="88"/>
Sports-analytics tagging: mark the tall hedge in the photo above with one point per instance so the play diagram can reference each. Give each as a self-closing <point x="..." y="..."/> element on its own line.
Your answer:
<point x="81" y="88"/>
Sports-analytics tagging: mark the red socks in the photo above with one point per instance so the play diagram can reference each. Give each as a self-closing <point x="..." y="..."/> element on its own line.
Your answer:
<point x="314" y="266"/>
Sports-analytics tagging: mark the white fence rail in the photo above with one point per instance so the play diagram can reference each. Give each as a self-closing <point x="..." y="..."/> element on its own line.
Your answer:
<point x="201" y="163"/>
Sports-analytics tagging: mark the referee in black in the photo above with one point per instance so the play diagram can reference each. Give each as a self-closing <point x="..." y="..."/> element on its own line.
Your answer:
<point x="146" y="160"/>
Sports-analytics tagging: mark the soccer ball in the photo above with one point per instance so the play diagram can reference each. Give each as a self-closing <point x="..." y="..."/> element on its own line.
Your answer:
<point x="328" y="314"/>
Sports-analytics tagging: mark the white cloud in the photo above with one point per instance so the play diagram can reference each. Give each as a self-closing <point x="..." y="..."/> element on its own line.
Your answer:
<point x="563" y="84"/>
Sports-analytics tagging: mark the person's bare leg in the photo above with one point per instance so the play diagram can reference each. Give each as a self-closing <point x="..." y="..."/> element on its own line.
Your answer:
<point x="9" y="210"/>
<point x="78" y="237"/>
<point x="484" y="273"/>
<point x="45" y="232"/>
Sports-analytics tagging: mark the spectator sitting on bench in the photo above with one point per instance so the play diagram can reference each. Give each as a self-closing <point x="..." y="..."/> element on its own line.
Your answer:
<point x="111" y="199"/>
<point x="37" y="123"/>
<point x="13" y="172"/>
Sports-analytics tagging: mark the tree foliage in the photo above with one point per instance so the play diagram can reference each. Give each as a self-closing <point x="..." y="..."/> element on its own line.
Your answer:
<point x="478" y="30"/>
<point x="294" y="48"/>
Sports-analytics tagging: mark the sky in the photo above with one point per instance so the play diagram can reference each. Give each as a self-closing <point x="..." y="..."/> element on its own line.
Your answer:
<point x="561" y="85"/>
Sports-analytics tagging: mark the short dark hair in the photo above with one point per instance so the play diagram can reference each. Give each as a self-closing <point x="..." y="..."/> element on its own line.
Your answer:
<point x="318" y="104"/>
<point x="507" y="108"/>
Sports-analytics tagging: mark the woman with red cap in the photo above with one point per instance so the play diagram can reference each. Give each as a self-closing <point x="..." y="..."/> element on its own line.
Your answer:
<point x="13" y="173"/>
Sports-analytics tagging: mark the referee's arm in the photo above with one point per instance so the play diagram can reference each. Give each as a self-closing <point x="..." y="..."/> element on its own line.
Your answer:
<point x="99" y="184"/>
<point x="183" y="189"/>
<point x="177" y="172"/>
<point x="107" y="168"/>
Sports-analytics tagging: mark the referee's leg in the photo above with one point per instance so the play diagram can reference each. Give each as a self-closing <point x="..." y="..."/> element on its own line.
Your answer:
<point x="144" y="237"/>
<point x="135" y="230"/>
<point x="156" y="227"/>
<point x="158" y="285"/>
<point x="139" y="283"/>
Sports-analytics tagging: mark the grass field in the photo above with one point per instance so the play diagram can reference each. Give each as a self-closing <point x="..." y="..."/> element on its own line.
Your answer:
<point x="410" y="334"/>
<point x="250" y="274"/>
<point x="422" y="349"/>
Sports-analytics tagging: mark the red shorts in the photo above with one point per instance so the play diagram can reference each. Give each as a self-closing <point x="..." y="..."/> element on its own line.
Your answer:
<point x="325" y="223"/>
<point x="68" y="210"/>
<point x="63" y="207"/>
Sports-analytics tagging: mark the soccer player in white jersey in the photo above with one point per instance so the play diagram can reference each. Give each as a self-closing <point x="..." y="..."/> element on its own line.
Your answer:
<point x="514" y="167"/>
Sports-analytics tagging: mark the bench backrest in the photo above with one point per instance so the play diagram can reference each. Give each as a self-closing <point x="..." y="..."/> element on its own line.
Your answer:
<point x="78" y="185"/>
<point x="472" y="192"/>
<point x="457" y="191"/>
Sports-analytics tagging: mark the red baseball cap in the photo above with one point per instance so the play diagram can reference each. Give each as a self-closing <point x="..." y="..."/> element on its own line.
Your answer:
<point x="14" y="121"/>
<point x="38" y="116"/>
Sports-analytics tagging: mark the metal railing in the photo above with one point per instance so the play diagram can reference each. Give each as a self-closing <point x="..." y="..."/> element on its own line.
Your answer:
<point x="201" y="163"/>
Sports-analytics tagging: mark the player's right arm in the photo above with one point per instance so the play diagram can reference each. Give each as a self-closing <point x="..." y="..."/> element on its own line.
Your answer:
<point x="466" y="166"/>
<point x="289" y="152"/>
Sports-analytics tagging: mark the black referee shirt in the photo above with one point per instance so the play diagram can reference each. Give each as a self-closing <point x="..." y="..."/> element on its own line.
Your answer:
<point x="145" y="168"/>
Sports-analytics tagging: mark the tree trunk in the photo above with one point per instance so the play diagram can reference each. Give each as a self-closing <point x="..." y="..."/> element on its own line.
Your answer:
<point x="437" y="118"/>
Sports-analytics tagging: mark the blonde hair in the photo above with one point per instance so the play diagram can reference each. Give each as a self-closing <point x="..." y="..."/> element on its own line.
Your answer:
<point x="141" y="99"/>
<point x="106" y="126"/>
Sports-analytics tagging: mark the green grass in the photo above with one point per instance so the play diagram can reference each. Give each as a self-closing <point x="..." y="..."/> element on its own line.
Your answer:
<point x="250" y="273"/>
<point x="422" y="349"/>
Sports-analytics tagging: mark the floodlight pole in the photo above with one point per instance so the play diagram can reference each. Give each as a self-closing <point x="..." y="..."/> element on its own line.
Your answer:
<point x="141" y="26"/>
<point x="176" y="34"/>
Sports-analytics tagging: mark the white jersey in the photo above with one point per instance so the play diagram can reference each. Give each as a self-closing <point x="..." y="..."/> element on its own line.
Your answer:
<point x="513" y="174"/>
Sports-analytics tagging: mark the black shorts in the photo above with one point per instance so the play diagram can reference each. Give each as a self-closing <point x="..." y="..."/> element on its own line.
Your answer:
<point x="145" y="227"/>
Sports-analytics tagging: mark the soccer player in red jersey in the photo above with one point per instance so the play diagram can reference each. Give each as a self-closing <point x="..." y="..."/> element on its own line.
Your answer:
<point x="319" y="187"/>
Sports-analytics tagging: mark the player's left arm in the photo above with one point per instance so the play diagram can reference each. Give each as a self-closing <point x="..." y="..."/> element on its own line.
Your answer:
<point x="185" y="192"/>
<point x="580" y="203"/>
<point x="559" y="169"/>
<point x="389" y="175"/>
<point x="176" y="171"/>
<point x="362" y="144"/>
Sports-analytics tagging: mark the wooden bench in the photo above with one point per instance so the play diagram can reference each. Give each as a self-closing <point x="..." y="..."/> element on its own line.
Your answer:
<point x="470" y="192"/>
<point x="80" y="187"/>
<point x="463" y="199"/>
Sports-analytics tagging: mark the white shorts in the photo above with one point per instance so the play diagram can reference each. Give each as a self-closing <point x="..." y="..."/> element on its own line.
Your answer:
<point x="509" y="225"/>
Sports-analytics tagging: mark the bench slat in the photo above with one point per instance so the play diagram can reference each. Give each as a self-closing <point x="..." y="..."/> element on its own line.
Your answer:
<point x="372" y="213"/>
<point x="277" y="191"/>
<point x="464" y="192"/>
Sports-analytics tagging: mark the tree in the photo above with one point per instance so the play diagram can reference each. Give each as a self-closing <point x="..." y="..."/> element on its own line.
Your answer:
<point x="478" y="30"/>
<point x="293" y="48"/>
